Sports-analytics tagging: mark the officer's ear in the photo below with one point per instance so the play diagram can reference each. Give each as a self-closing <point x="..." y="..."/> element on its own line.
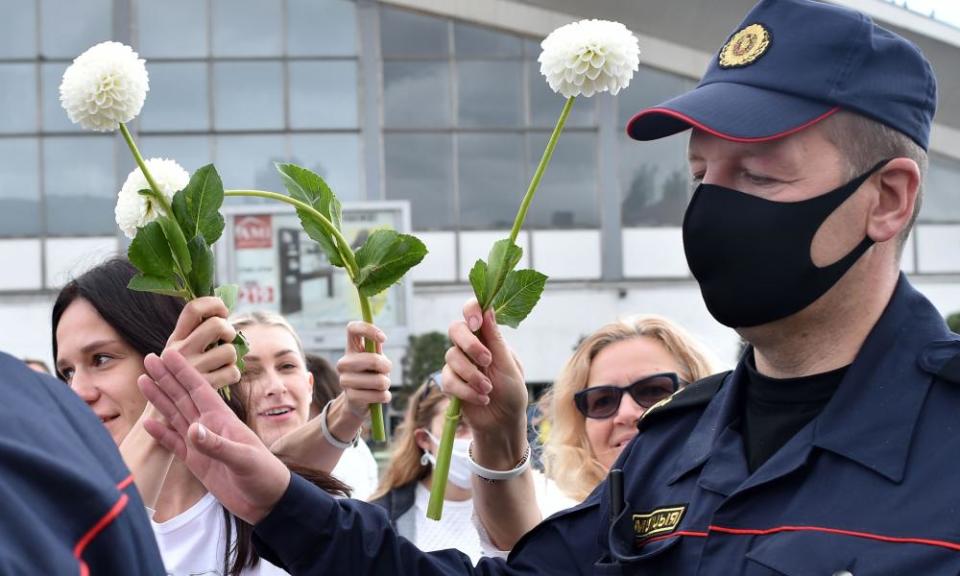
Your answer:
<point x="897" y="185"/>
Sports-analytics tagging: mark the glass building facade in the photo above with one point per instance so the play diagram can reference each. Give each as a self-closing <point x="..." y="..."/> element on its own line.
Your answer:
<point x="386" y="103"/>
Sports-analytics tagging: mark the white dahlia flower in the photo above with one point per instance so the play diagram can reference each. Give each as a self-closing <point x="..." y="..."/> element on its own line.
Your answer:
<point x="589" y="57"/>
<point x="135" y="210"/>
<point x="106" y="85"/>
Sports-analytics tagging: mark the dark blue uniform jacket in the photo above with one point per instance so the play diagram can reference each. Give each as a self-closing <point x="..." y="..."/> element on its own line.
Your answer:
<point x="67" y="502"/>
<point x="871" y="486"/>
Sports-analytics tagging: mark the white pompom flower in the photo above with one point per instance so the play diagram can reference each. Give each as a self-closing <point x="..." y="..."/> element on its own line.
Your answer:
<point x="106" y="85"/>
<point x="134" y="210"/>
<point x="589" y="57"/>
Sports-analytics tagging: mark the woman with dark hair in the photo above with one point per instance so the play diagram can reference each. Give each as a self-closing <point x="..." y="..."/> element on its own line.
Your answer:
<point x="102" y="332"/>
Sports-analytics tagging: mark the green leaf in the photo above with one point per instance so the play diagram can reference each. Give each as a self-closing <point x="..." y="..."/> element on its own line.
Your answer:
<point x="503" y="258"/>
<point x="228" y="293"/>
<point x="478" y="279"/>
<point x="384" y="258"/>
<point x="176" y="241"/>
<point x="150" y="253"/>
<point x="197" y="207"/>
<point x="201" y="274"/>
<point x="156" y="284"/>
<point x="520" y="293"/>
<point x="240" y="343"/>
<point x="308" y="187"/>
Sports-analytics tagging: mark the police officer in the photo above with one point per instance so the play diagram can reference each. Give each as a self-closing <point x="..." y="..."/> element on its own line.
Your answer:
<point x="830" y="449"/>
<point x="67" y="502"/>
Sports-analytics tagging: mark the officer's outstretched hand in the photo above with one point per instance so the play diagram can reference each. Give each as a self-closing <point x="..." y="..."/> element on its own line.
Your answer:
<point x="484" y="373"/>
<point x="220" y="450"/>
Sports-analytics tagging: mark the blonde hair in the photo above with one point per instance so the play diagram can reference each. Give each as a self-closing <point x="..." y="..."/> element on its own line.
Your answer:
<point x="569" y="460"/>
<point x="264" y="318"/>
<point x="405" y="465"/>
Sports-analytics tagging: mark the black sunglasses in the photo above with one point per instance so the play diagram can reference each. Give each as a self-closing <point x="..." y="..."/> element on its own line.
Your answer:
<point x="604" y="401"/>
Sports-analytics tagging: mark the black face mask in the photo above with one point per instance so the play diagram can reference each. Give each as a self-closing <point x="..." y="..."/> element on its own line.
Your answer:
<point x="751" y="256"/>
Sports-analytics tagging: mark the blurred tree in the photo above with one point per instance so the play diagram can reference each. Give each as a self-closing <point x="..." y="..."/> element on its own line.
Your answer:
<point x="425" y="355"/>
<point x="953" y="321"/>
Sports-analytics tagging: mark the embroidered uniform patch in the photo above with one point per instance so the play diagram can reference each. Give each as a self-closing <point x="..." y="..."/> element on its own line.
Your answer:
<point x="658" y="522"/>
<point x="745" y="47"/>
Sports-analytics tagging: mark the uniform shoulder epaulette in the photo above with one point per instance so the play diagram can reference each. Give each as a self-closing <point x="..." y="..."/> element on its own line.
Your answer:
<point x="951" y="370"/>
<point x="697" y="394"/>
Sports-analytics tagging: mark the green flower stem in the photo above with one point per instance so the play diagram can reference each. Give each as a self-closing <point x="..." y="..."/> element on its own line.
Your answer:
<point x="378" y="429"/>
<point x="343" y="247"/>
<point x="157" y="193"/>
<point x="439" y="482"/>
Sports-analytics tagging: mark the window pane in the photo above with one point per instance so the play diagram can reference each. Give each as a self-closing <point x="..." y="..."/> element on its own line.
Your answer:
<point x="491" y="172"/>
<point x="416" y="94"/>
<point x="490" y="93"/>
<point x="80" y="185"/>
<point x="248" y="95"/>
<point x="18" y="29"/>
<point x="567" y="197"/>
<point x="335" y="157"/>
<point x="654" y="181"/>
<point x="18" y="98"/>
<point x="649" y="87"/>
<point x="419" y="168"/>
<point x="404" y="33"/>
<point x="178" y="97"/>
<point x="474" y="41"/>
<point x="941" y="202"/>
<point x="70" y="27"/>
<point x="323" y="94"/>
<point x="191" y="152"/>
<point x="19" y="187"/>
<point x="321" y="27"/>
<point x="54" y="116"/>
<point x="247" y="28"/>
<point x="247" y="162"/>
<point x="545" y="104"/>
<point x="172" y="29"/>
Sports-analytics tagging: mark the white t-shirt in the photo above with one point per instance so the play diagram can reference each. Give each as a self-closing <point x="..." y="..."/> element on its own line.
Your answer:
<point x="357" y="469"/>
<point x="192" y="543"/>
<point x="454" y="530"/>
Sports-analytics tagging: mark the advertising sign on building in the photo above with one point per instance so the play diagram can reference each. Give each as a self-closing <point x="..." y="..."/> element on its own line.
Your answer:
<point x="281" y="269"/>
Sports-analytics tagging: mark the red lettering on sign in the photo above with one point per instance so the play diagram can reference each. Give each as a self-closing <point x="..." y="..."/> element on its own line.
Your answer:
<point x="253" y="232"/>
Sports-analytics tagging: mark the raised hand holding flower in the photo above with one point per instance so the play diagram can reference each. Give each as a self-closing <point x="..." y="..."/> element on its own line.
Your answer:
<point x="582" y="58"/>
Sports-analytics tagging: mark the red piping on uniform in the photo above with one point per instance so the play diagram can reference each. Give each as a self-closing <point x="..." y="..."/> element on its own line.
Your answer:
<point x="866" y="535"/>
<point x="99" y="527"/>
<point x="122" y="485"/>
<point x="718" y="134"/>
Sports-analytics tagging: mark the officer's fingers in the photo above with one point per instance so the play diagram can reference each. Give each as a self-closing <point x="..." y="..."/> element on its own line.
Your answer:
<point x="472" y="314"/>
<point x="364" y="362"/>
<point x="466" y="371"/>
<point x="194" y="313"/>
<point x="465" y="340"/>
<point x="171" y="440"/>
<point x="358" y="332"/>
<point x="455" y="386"/>
<point x="208" y="333"/>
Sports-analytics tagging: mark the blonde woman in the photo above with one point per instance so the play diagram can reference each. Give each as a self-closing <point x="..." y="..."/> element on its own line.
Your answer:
<point x="405" y="488"/>
<point x="613" y="377"/>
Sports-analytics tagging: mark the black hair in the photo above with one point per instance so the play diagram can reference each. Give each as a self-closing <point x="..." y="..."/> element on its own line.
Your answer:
<point x="144" y="320"/>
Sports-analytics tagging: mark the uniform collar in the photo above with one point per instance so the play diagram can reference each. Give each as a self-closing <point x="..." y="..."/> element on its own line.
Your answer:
<point x="872" y="416"/>
<point x="874" y="413"/>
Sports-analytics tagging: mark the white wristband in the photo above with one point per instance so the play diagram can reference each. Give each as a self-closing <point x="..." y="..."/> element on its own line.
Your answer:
<point x="497" y="475"/>
<point x="330" y="437"/>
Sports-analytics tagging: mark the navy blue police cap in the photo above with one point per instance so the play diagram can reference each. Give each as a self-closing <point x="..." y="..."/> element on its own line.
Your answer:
<point x="792" y="63"/>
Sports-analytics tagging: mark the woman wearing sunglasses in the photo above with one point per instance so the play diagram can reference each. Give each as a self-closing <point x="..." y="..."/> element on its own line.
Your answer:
<point x="616" y="374"/>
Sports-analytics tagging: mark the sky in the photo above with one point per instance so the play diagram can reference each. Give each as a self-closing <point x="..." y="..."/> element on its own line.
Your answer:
<point x="944" y="10"/>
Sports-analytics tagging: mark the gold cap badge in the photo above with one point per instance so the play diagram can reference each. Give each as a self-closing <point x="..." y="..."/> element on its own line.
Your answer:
<point x="744" y="47"/>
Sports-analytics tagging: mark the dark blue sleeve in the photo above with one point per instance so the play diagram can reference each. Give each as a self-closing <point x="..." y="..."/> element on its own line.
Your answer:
<point x="311" y="533"/>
